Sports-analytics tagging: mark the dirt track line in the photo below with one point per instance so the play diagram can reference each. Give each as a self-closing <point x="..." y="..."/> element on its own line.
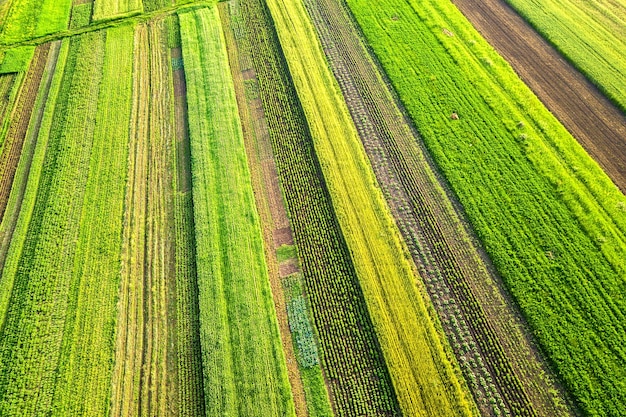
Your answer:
<point x="591" y="118"/>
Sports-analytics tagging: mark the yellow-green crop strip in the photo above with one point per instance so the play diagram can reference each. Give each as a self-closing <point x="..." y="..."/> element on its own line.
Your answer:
<point x="115" y="9"/>
<point x="26" y="19"/>
<point x="424" y="378"/>
<point x="244" y="366"/>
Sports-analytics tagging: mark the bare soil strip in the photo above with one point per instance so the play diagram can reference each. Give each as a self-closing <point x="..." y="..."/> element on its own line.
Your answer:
<point x="267" y="195"/>
<point x="592" y="119"/>
<point x="20" y="118"/>
<point x="500" y="362"/>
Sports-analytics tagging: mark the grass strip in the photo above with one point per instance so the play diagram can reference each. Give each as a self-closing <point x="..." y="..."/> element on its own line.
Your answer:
<point x="244" y="366"/>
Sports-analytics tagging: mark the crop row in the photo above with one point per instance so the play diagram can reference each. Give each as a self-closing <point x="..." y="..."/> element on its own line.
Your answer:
<point x="550" y="219"/>
<point x="12" y="138"/>
<point x="244" y="367"/>
<point x="76" y="215"/>
<point x="413" y="347"/>
<point x="41" y="280"/>
<point x="351" y="359"/>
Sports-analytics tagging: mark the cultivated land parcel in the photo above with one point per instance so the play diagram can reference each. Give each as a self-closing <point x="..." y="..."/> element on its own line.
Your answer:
<point x="310" y="208"/>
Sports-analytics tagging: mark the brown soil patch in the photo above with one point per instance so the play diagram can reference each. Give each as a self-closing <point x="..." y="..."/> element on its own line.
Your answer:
<point x="283" y="237"/>
<point x="248" y="74"/>
<point x="591" y="118"/>
<point x="288" y="267"/>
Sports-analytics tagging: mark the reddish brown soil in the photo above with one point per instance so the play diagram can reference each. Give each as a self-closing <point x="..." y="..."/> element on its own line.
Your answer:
<point x="288" y="267"/>
<point x="283" y="237"/>
<point x="20" y="119"/>
<point x="593" y="120"/>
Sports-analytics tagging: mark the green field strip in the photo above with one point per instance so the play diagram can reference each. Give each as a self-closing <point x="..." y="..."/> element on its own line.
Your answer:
<point x="189" y="355"/>
<point x="15" y="246"/>
<point x="305" y="345"/>
<point x="550" y="219"/>
<point x="5" y="5"/>
<point x="425" y="380"/>
<point x="17" y="59"/>
<point x="20" y="180"/>
<point x="53" y="16"/>
<point x="81" y="15"/>
<point x="34" y="18"/>
<point x="591" y="34"/>
<point x="33" y="329"/>
<point x="270" y="205"/>
<point x="115" y="9"/>
<point x="244" y="366"/>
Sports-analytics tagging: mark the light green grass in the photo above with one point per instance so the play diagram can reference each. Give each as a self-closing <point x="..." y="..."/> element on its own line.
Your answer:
<point x="33" y="18"/>
<point x="243" y="362"/>
<point x="63" y="263"/>
<point x="286" y="252"/>
<point x="551" y="220"/>
<point x="17" y="59"/>
<point x="43" y="272"/>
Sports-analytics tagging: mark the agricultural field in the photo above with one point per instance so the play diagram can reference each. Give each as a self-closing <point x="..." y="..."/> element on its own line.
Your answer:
<point x="312" y="208"/>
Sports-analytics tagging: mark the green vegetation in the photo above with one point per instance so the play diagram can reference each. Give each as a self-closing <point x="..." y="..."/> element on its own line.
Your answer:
<point x="81" y="15"/>
<point x="549" y="217"/>
<point x="412" y="346"/>
<point x="17" y="59"/>
<point x="72" y="239"/>
<point x="318" y="404"/>
<point x="37" y="279"/>
<point x="115" y="9"/>
<point x="34" y="18"/>
<point x="244" y="366"/>
<point x="138" y="277"/>
<point x="27" y="205"/>
<point x="286" y="252"/>
<point x="591" y="34"/>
